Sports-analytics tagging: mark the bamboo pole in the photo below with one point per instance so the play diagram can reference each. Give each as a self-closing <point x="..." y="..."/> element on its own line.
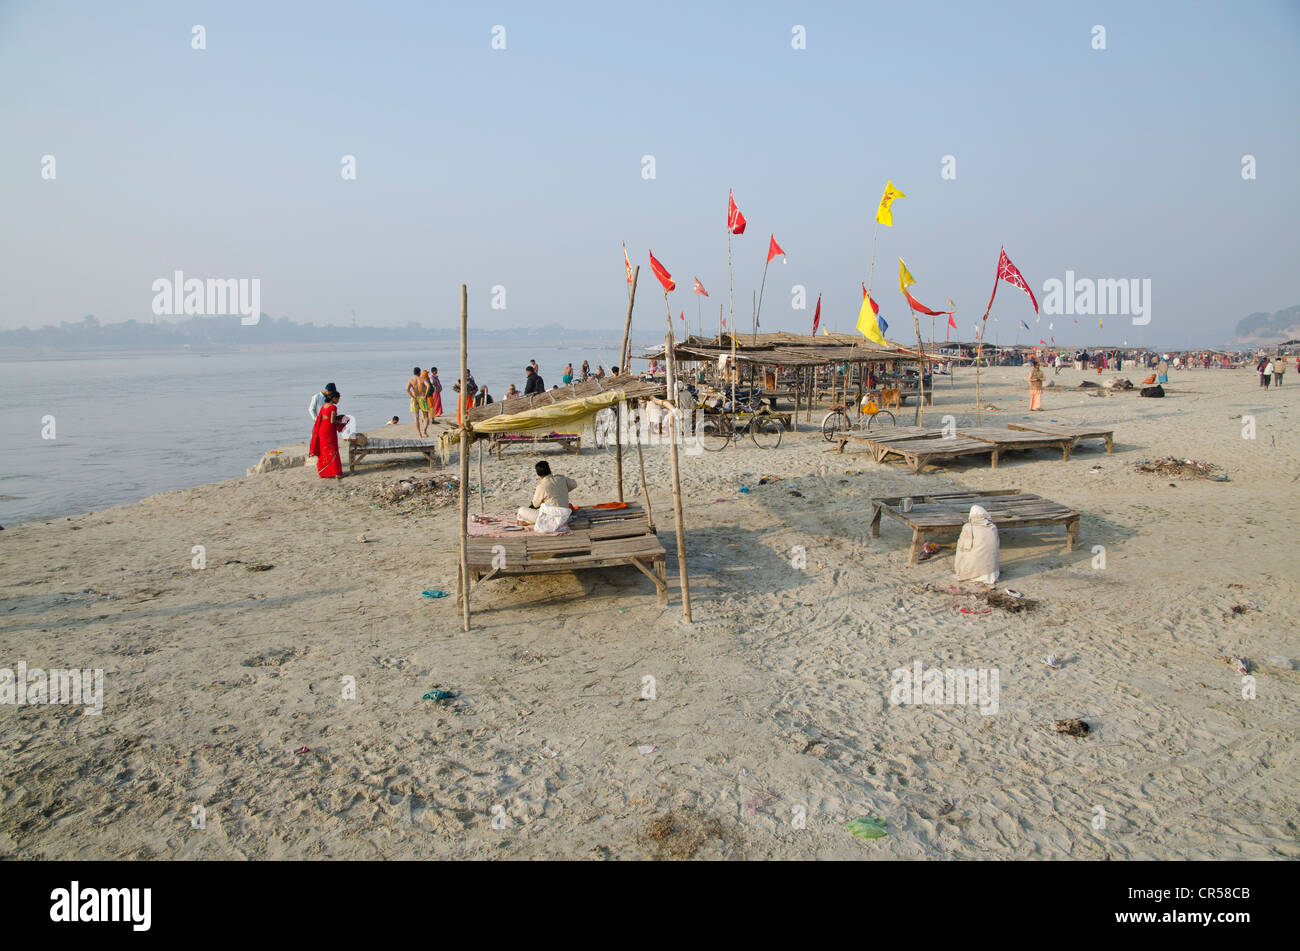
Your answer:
<point x="464" y="456"/>
<point x="627" y="325"/>
<point x="645" y="489"/>
<point x="618" y="445"/>
<point x="677" y="499"/>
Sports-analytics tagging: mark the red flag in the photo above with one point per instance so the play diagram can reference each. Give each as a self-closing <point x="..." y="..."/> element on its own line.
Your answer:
<point x="661" y="272"/>
<point x="773" y="249"/>
<point x="1042" y="341"/>
<point x="699" y="289"/>
<point x="735" y="220"/>
<point x="817" y="314"/>
<point x="920" y="308"/>
<point x="1009" y="273"/>
<point x="682" y="315"/>
<point x="627" y="264"/>
<point x="875" y="308"/>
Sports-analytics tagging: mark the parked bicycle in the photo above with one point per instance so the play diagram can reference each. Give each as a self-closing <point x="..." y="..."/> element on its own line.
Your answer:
<point x="720" y="428"/>
<point x="870" y="417"/>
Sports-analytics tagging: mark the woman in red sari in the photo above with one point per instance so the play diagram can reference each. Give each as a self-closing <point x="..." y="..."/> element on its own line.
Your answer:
<point x="325" y="440"/>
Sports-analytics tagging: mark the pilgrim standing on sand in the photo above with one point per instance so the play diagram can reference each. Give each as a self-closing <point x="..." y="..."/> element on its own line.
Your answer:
<point x="1162" y="371"/>
<point x="317" y="401"/>
<point x="1036" y="387"/>
<point x="325" y="440"/>
<point x="978" y="548"/>
<point x="435" y="395"/>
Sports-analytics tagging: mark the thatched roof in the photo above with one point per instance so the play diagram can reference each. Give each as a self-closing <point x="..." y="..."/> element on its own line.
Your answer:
<point x="786" y="349"/>
<point x="632" y="388"/>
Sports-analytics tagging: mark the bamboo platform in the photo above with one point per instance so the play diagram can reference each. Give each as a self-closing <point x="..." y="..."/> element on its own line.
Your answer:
<point x="946" y="513"/>
<point x="599" y="538"/>
<point x="1007" y="440"/>
<point x="375" y="447"/>
<point x="1077" y="433"/>
<point x="569" y="442"/>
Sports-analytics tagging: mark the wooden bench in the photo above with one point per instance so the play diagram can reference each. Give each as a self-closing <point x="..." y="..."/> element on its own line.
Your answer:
<point x="1076" y="433"/>
<point x="569" y="442"/>
<point x="360" y="446"/>
<point x="947" y="512"/>
<point x="599" y="538"/>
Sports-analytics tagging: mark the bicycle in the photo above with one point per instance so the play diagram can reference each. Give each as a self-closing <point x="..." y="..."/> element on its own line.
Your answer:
<point x="839" y="419"/>
<point x="720" y="429"/>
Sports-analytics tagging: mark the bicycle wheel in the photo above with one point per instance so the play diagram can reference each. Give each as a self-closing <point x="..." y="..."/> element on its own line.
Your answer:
<point x="766" y="432"/>
<point x="834" y="422"/>
<point x="714" y="434"/>
<point x="882" y="419"/>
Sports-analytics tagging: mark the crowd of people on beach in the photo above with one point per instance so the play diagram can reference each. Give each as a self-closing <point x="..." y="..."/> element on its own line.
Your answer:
<point x="424" y="392"/>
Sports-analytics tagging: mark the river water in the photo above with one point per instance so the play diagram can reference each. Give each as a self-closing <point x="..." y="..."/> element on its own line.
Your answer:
<point x="127" y="426"/>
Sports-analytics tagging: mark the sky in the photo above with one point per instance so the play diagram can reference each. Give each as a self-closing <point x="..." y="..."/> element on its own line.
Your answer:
<point x="523" y="169"/>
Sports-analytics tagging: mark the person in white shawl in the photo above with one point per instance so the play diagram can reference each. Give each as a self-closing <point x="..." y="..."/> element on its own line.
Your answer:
<point x="978" y="548"/>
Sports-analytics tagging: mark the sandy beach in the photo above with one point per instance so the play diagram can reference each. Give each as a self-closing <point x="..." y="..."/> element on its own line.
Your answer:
<point x="771" y="726"/>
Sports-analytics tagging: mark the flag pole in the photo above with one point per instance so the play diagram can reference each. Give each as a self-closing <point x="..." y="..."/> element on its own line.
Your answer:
<point x="759" y="308"/>
<point x="920" y="379"/>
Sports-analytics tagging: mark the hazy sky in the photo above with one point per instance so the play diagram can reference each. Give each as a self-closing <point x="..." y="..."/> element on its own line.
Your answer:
<point x="523" y="167"/>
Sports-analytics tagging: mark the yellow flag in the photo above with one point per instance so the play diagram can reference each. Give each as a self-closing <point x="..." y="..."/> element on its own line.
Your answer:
<point x="883" y="214"/>
<point x="868" y="326"/>
<point x="1099" y="323"/>
<point x="904" y="276"/>
<point x="825" y="332"/>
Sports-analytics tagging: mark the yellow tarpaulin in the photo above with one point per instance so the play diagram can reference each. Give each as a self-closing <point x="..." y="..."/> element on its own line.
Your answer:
<point x="568" y="413"/>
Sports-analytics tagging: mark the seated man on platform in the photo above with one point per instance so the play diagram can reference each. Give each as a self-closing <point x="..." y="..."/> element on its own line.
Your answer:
<point x="550" y="507"/>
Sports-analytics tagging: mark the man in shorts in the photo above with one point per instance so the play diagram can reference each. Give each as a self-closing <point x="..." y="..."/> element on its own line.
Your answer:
<point x="417" y="388"/>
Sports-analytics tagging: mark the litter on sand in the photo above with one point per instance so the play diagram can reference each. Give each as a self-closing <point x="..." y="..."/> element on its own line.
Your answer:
<point x="434" y="593"/>
<point x="439" y="695"/>
<point x="867" y="828"/>
<point x="1051" y="661"/>
<point x="646" y="750"/>
<point x="1179" y="468"/>
<point x="928" y="550"/>
<point x="1075" y="727"/>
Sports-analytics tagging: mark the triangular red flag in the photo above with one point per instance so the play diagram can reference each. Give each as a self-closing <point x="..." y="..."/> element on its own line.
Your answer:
<point x="682" y="315"/>
<point x="661" y="272"/>
<point x="817" y="314"/>
<point x="773" y="249"/>
<point x="626" y="263"/>
<point x="699" y="288"/>
<point x="920" y="308"/>
<point x="735" y="220"/>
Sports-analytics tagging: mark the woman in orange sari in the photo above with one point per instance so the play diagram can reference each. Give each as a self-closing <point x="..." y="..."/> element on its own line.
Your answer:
<point x="325" y="440"/>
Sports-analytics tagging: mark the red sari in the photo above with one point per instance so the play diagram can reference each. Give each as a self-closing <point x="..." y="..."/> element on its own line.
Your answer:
<point x="325" y="443"/>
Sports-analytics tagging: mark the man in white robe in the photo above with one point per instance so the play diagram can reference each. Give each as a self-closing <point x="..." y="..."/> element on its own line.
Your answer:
<point x="978" y="548"/>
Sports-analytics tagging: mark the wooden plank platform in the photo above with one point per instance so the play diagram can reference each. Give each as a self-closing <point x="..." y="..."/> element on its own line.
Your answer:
<point x="946" y="513"/>
<point x="1077" y="433"/>
<point x="377" y="447"/>
<point x="917" y="445"/>
<point x="599" y="538"/>
<point x="569" y="442"/>
<point x="1008" y="440"/>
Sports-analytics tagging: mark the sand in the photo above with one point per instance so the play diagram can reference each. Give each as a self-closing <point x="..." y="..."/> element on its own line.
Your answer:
<point x="771" y="724"/>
